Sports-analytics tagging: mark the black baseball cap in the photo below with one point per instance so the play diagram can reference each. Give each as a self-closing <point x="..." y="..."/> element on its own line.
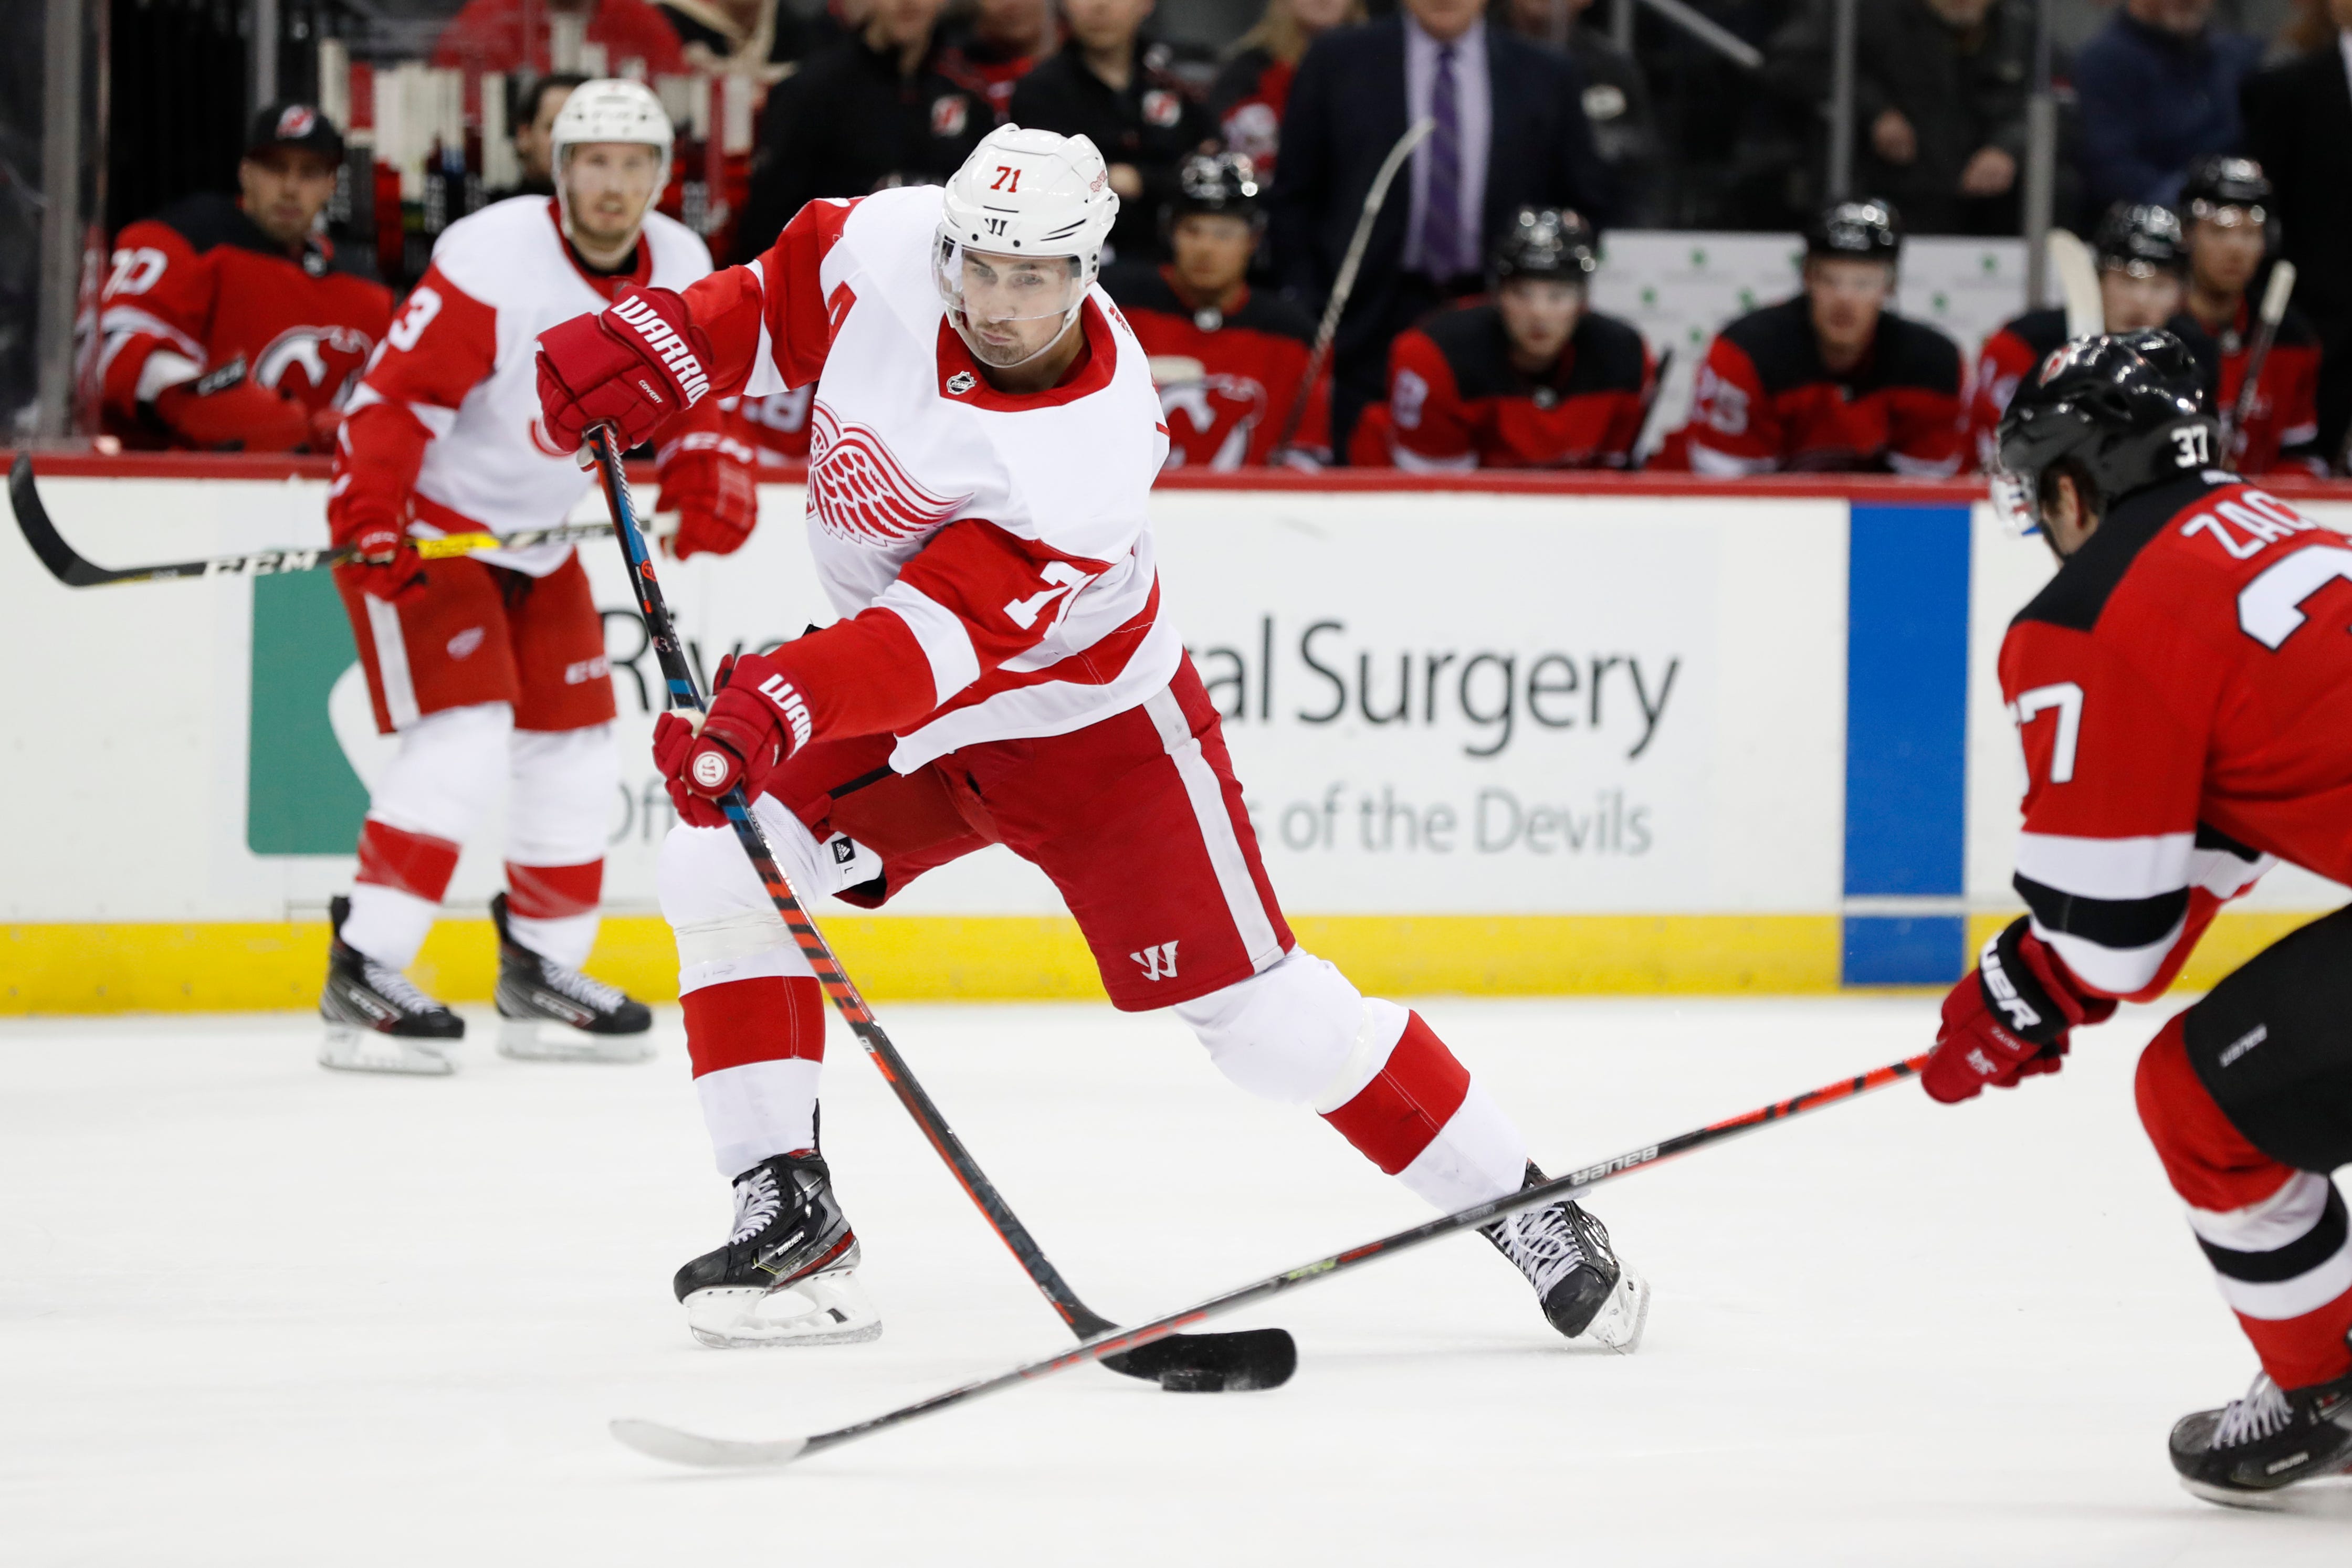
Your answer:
<point x="303" y="125"/>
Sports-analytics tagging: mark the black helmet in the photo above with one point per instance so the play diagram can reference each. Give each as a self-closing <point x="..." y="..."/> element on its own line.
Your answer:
<point x="2219" y="181"/>
<point x="1214" y="182"/>
<point x="1868" y="230"/>
<point x="1544" y="242"/>
<point x="2140" y="238"/>
<point x="2119" y="410"/>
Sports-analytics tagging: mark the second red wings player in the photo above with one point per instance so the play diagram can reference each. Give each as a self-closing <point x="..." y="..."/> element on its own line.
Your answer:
<point x="985" y="440"/>
<point x="2183" y="692"/>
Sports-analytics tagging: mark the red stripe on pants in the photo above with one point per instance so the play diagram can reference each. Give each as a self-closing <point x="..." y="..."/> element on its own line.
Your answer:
<point x="554" y="892"/>
<point x="2213" y="1166"/>
<point x="774" y="1018"/>
<point x="414" y="863"/>
<point x="1395" y="1116"/>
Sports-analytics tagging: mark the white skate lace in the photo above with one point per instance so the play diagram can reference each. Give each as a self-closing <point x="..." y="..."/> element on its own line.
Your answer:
<point x="581" y="988"/>
<point x="1543" y="1245"/>
<point x="2263" y="1410"/>
<point x="756" y="1203"/>
<point x="395" y="988"/>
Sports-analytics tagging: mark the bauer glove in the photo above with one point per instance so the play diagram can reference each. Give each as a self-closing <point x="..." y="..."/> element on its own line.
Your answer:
<point x="2010" y="1018"/>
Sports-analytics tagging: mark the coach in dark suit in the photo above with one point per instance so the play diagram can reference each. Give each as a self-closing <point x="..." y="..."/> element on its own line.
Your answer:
<point x="1510" y="129"/>
<point x="2299" y="126"/>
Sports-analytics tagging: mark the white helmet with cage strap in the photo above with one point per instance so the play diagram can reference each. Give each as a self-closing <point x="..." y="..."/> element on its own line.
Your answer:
<point x="1024" y="197"/>
<point x="612" y="109"/>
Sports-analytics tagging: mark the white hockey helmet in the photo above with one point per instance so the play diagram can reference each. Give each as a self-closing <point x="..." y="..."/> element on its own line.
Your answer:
<point x="1026" y="194"/>
<point x="612" y="109"/>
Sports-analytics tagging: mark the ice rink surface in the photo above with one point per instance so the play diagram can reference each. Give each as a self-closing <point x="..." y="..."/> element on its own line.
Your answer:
<point x="252" y="1313"/>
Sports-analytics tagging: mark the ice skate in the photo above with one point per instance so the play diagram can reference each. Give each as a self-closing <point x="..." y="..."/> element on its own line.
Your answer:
<point x="785" y="1276"/>
<point x="2244" y="1454"/>
<point x="1585" y="1291"/>
<point x="550" y="1012"/>
<point x="377" y="1022"/>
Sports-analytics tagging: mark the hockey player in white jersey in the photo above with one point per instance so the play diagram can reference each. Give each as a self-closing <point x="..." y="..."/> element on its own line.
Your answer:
<point x="491" y="668"/>
<point x="984" y="440"/>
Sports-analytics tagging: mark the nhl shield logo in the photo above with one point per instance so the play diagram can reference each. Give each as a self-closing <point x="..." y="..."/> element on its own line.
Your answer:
<point x="961" y="382"/>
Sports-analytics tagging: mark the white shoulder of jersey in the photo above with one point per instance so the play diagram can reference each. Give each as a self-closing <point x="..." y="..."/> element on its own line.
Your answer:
<point x="889" y="238"/>
<point x="679" y="252"/>
<point x="502" y="250"/>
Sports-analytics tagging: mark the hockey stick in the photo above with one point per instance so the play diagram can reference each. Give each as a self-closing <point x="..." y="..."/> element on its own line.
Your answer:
<point x="71" y="569"/>
<point x="660" y="1442"/>
<point x="2258" y="353"/>
<point x="1255" y="1358"/>
<point x="1638" y="458"/>
<point x="2078" y="284"/>
<point x="1345" y="284"/>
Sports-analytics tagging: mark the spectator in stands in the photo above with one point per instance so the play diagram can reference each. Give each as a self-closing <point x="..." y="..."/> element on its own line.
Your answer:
<point x="2225" y="206"/>
<point x="1528" y="378"/>
<point x="1002" y="42"/>
<point x="2143" y="261"/>
<point x="1253" y="84"/>
<point x="233" y="323"/>
<point x="1114" y="87"/>
<point x="1616" y="98"/>
<point x="1940" y="102"/>
<point x="517" y="34"/>
<point x="868" y="112"/>
<point x="2158" y="88"/>
<point x="1511" y="134"/>
<point x="2299" y="128"/>
<point x="758" y="38"/>
<point x="1832" y="380"/>
<point x="1228" y="359"/>
<point x="532" y="114"/>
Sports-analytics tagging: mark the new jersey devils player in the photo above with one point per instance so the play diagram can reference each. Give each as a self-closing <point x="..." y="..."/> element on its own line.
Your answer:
<point x="1833" y="381"/>
<point x="232" y="324"/>
<point x="2225" y="208"/>
<point x="2141" y="260"/>
<point x="1227" y="357"/>
<point x="491" y="669"/>
<point x="1527" y="379"/>
<point x="2183" y="690"/>
<point x="986" y="436"/>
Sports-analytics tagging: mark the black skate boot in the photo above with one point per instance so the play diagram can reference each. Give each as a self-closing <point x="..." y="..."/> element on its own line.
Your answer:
<point x="2247" y="1451"/>
<point x="376" y="1021"/>
<point x="1585" y="1291"/>
<point x="549" y="1013"/>
<point x="785" y="1275"/>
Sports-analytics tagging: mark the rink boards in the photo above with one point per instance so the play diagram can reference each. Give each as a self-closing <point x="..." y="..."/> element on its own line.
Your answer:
<point x="1642" y="736"/>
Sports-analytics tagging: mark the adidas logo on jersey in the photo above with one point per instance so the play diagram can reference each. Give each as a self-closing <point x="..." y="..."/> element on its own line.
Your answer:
<point x="637" y="313"/>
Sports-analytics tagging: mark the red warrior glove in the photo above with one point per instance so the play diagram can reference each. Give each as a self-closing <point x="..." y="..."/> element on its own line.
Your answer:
<point x="221" y="410"/>
<point x="706" y="479"/>
<point x="634" y="367"/>
<point x="757" y="716"/>
<point x="2011" y="1018"/>
<point x="387" y="565"/>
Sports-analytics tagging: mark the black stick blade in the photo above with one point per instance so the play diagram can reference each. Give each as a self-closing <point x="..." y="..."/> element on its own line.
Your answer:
<point x="1213" y="1363"/>
<point x="33" y="518"/>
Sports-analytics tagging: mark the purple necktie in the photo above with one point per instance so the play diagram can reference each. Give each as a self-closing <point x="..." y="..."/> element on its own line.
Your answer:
<point x="1441" y="219"/>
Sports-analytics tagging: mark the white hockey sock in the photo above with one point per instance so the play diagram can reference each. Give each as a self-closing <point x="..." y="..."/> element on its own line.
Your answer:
<point x="758" y="1111"/>
<point x="387" y="924"/>
<point x="1478" y="1154"/>
<point x="565" y="941"/>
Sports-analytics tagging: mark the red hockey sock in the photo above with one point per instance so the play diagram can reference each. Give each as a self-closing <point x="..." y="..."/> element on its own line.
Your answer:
<point x="554" y="892"/>
<point x="416" y="863"/>
<point x="773" y="1018"/>
<point x="1408" y="1103"/>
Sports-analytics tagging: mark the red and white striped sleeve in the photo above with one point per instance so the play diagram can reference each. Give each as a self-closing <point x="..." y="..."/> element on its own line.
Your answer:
<point x="153" y="316"/>
<point x="440" y="346"/>
<point x="772" y="321"/>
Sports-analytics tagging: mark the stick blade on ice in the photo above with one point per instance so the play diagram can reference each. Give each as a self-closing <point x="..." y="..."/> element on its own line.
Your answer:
<point x="656" y="1441"/>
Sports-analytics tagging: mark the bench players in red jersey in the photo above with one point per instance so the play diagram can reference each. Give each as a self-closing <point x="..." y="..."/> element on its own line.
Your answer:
<point x="233" y="324"/>
<point x="2183" y="692"/>
<point x="491" y="668"/>
<point x="1004" y="671"/>
<point x="1833" y="381"/>
<point x="1527" y="379"/>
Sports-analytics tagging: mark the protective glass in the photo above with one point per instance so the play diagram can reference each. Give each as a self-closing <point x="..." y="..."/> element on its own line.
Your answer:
<point x="992" y="290"/>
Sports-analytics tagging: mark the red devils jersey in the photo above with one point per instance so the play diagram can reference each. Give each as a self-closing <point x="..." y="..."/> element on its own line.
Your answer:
<point x="202" y="284"/>
<point x="1455" y="399"/>
<point x="2011" y="354"/>
<point x="1251" y="360"/>
<point x="1765" y="404"/>
<point x="2283" y="431"/>
<point x="2183" y="692"/>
